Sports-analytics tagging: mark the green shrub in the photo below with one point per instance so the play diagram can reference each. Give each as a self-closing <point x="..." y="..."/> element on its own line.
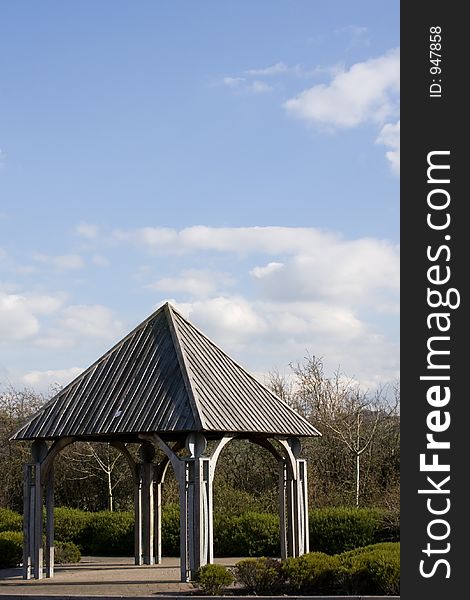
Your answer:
<point x="66" y="552"/>
<point x="388" y="529"/>
<point x="10" y="520"/>
<point x="374" y="569"/>
<point x="11" y="549"/>
<point x="251" y="534"/>
<point x="336" y="530"/>
<point x="314" y="573"/>
<point x="393" y="547"/>
<point x="212" y="579"/>
<point x="260" y="575"/>
<point x="71" y="525"/>
<point x="171" y="530"/>
<point x="110" y="534"/>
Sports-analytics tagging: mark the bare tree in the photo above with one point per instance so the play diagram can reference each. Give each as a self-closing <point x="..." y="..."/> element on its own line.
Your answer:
<point x="16" y="406"/>
<point x="99" y="461"/>
<point x="348" y="417"/>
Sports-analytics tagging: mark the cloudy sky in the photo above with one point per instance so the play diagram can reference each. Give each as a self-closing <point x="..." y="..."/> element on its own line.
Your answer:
<point x="239" y="159"/>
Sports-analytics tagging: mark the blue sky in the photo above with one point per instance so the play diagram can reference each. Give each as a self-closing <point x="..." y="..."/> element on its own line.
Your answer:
<point x="240" y="159"/>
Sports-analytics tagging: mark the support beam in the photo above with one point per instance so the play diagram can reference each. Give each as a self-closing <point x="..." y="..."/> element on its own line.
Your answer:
<point x="147" y="514"/>
<point x="38" y="497"/>
<point x="293" y="500"/>
<point x="158" y="523"/>
<point x="282" y="507"/>
<point x="194" y="475"/>
<point x="50" y="523"/>
<point x="28" y="532"/>
<point x="138" y="520"/>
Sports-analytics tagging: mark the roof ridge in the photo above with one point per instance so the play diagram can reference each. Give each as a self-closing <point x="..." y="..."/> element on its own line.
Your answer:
<point x="185" y="368"/>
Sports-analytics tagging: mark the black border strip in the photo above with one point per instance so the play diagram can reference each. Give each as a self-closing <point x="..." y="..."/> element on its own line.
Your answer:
<point x="433" y="121"/>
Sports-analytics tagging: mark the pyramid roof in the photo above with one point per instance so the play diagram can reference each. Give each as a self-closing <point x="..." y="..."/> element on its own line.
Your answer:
<point x="169" y="378"/>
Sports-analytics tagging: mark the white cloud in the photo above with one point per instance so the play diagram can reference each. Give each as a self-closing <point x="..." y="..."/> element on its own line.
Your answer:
<point x="19" y="314"/>
<point x="390" y="136"/>
<point x="100" y="261"/>
<point x="279" y="67"/>
<point x="364" y="272"/>
<point x="366" y="92"/>
<point x="240" y="84"/>
<point x="16" y="320"/>
<point x="239" y="240"/>
<point x="258" y="87"/>
<point x="354" y="30"/>
<point x="272" y="267"/>
<point x="96" y="321"/>
<point x="231" y="319"/>
<point x="64" y="262"/>
<point x="316" y="292"/>
<point x="264" y="334"/>
<point x="43" y="380"/>
<point x="195" y="282"/>
<point x="243" y="241"/>
<point x="233" y="82"/>
<point x="87" y="230"/>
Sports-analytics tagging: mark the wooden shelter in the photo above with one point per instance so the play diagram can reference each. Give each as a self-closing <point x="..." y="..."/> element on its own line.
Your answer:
<point x="165" y="385"/>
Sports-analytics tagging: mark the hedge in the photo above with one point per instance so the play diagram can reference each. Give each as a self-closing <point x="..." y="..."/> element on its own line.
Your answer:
<point x="251" y="534"/>
<point x="10" y="520"/>
<point x="72" y="525"/>
<point x="372" y="570"/>
<point x="332" y="531"/>
<point x="11" y="549"/>
<point x="336" y="530"/>
<point x="313" y="573"/>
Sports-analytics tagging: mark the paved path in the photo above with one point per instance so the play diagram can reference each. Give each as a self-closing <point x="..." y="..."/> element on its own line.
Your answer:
<point x="97" y="576"/>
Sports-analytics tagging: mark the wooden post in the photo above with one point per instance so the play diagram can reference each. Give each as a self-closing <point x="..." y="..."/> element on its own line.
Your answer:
<point x="50" y="523"/>
<point x="158" y="523"/>
<point x="138" y="518"/>
<point x="209" y="477"/>
<point x="147" y="514"/>
<point x="38" y="523"/>
<point x="198" y="521"/>
<point x="292" y="525"/>
<point x="28" y="532"/>
<point x="302" y="507"/>
<point x="194" y="478"/>
<point x="282" y="507"/>
<point x="183" y="478"/>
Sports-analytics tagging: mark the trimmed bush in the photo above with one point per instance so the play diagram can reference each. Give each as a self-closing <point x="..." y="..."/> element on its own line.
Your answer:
<point x="260" y="575"/>
<point x="337" y="530"/>
<point x="66" y="552"/>
<point x="110" y="534"/>
<point x="313" y="574"/>
<point x="374" y="569"/>
<point x="171" y="530"/>
<point x="212" y="579"/>
<point x="10" y="520"/>
<point x="251" y="534"/>
<point x="71" y="525"/>
<point x="11" y="549"/>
